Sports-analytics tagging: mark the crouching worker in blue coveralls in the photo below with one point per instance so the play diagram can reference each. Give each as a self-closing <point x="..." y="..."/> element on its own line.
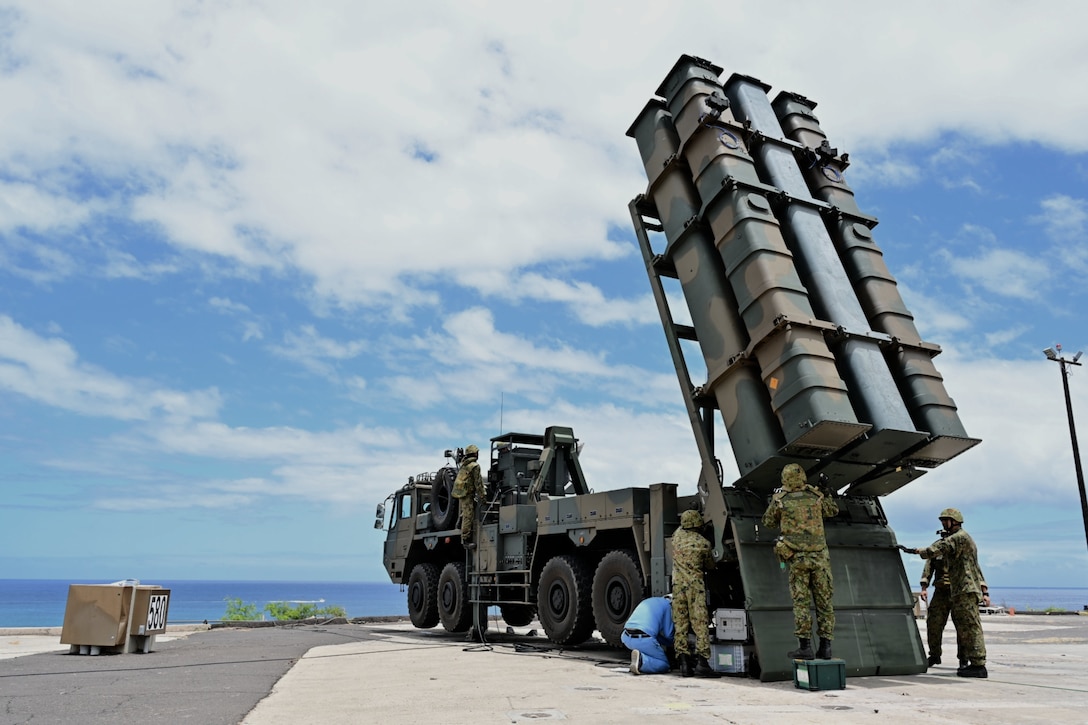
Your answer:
<point x="649" y="635"/>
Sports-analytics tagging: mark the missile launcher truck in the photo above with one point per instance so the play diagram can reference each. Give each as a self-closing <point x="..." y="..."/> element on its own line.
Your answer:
<point x="811" y="357"/>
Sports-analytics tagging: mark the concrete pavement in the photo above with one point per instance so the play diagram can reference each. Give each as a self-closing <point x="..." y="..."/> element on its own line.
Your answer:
<point x="393" y="673"/>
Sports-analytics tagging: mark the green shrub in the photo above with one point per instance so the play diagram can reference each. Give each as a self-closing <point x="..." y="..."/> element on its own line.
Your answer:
<point x="239" y="612"/>
<point x="283" y="612"/>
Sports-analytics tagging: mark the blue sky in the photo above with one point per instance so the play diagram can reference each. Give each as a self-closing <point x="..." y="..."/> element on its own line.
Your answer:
<point x="260" y="263"/>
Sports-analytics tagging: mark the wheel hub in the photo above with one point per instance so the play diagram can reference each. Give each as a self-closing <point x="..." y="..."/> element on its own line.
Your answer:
<point x="557" y="599"/>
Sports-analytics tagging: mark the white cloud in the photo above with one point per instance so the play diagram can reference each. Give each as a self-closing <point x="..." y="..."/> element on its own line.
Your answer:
<point x="28" y="206"/>
<point x="935" y="318"/>
<point x="586" y="301"/>
<point x="472" y="358"/>
<point x="48" y="371"/>
<point x="315" y="352"/>
<point x="284" y="138"/>
<point x="1004" y="272"/>
<point x="374" y="160"/>
<point x="1065" y="218"/>
<point x="227" y="305"/>
<point x="875" y="170"/>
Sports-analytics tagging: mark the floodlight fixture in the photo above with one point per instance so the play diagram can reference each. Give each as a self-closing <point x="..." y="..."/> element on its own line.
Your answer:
<point x="1049" y="352"/>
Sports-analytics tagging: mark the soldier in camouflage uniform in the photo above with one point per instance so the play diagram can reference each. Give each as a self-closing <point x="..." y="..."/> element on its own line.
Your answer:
<point x="799" y="510"/>
<point x="939" y="606"/>
<point x="690" y="557"/>
<point x="468" y="488"/>
<point x="967" y="589"/>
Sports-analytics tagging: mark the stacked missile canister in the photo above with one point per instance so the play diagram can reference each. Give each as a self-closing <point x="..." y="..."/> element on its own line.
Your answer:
<point x="811" y="354"/>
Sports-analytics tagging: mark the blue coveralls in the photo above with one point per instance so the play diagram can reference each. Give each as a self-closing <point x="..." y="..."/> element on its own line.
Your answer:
<point x="650" y="630"/>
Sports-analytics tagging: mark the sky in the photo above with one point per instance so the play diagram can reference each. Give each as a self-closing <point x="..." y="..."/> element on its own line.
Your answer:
<point x="260" y="262"/>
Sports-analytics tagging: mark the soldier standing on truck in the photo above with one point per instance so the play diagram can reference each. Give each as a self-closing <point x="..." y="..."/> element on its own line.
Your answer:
<point x="468" y="489"/>
<point x="799" y="510"/>
<point x="960" y="554"/>
<point x="690" y="557"/>
<point x="939" y="606"/>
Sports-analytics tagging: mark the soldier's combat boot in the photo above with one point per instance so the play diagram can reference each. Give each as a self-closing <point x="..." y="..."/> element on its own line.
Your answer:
<point x="934" y="660"/>
<point x="804" y="652"/>
<point x="823" y="652"/>
<point x="703" y="668"/>
<point x="686" y="669"/>
<point x="973" y="671"/>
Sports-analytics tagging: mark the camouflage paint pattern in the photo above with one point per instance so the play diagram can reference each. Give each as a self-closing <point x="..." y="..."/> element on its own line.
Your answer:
<point x="937" y="611"/>
<point x="759" y="268"/>
<point x="968" y="623"/>
<point x="799" y="510"/>
<point x="690" y="558"/>
<point x="938" y="607"/>
<point x="713" y="145"/>
<point x="911" y="360"/>
<point x="738" y="390"/>
<point x="469" y="490"/>
<point x="960" y="555"/>
<point x="874" y="394"/>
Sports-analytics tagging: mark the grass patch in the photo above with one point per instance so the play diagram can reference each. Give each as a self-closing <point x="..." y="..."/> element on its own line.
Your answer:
<point x="239" y="611"/>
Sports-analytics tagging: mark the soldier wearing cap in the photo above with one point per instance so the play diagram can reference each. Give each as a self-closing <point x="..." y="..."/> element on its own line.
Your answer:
<point x="967" y="589"/>
<point x="799" y="510"/>
<point x="468" y="489"/>
<point x="690" y="558"/>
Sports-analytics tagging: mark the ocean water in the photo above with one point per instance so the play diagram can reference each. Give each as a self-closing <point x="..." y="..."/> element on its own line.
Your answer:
<point x="1022" y="599"/>
<point x="41" y="602"/>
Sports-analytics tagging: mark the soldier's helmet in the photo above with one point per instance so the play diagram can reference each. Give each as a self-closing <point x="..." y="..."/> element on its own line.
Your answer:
<point x="953" y="514"/>
<point x="793" y="477"/>
<point x="691" y="519"/>
<point x="471" y="450"/>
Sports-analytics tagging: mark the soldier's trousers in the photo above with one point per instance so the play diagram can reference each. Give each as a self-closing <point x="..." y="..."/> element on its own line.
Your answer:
<point x="689" y="612"/>
<point x="940" y="606"/>
<point x="468" y="517"/>
<point x="810" y="582"/>
<point x="968" y="624"/>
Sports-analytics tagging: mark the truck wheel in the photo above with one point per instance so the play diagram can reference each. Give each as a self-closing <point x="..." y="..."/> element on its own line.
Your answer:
<point x="563" y="600"/>
<point x="617" y="589"/>
<point x="443" y="503"/>
<point x="423" y="595"/>
<point x="517" y="615"/>
<point x="453" y="607"/>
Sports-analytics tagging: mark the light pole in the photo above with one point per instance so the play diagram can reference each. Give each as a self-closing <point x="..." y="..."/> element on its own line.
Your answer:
<point x="1063" y="362"/>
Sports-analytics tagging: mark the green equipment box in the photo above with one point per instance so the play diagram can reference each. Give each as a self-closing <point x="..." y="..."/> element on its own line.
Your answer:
<point x="819" y="674"/>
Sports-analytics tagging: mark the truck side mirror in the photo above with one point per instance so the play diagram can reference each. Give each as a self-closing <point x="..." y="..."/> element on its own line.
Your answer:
<point x="379" y="516"/>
